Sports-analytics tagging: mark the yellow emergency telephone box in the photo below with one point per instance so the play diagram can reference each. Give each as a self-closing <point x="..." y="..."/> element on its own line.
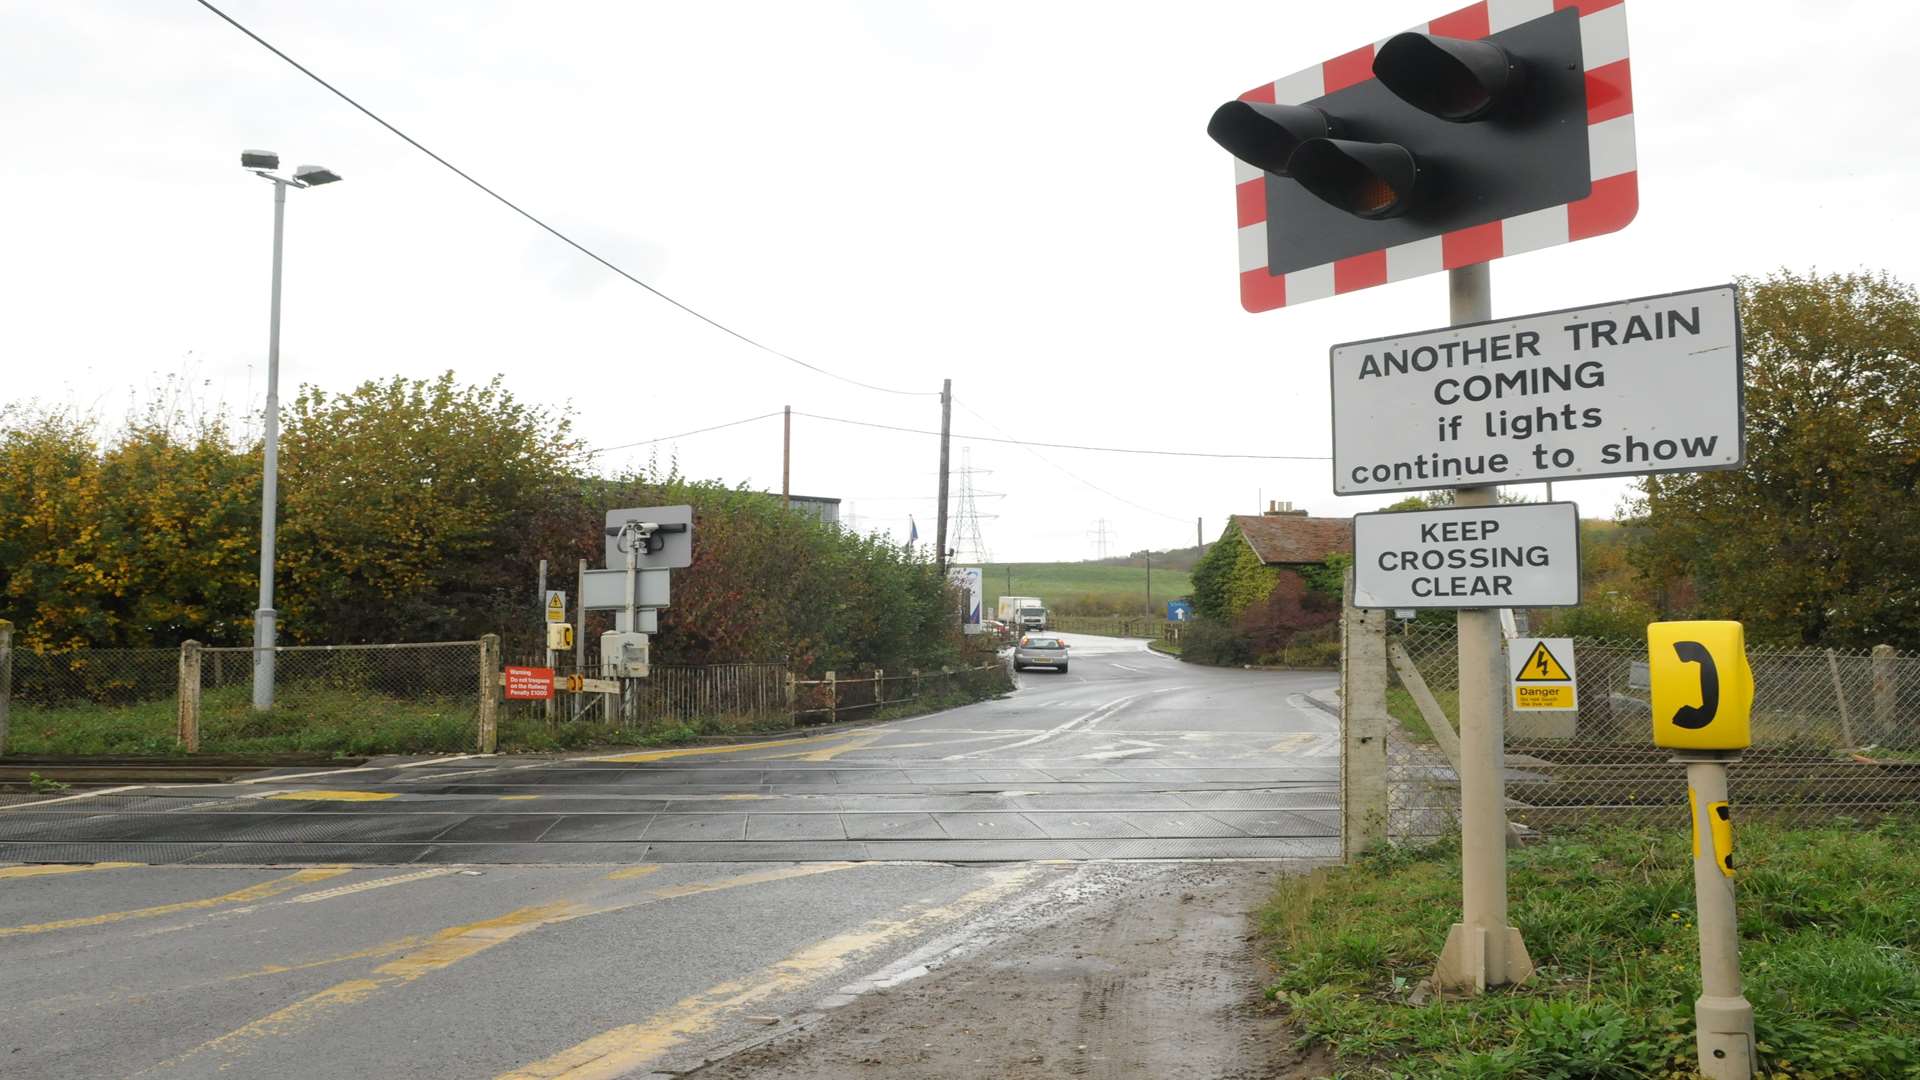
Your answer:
<point x="1702" y="685"/>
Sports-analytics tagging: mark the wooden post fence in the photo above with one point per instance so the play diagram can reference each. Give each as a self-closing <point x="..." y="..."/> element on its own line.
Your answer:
<point x="6" y="678"/>
<point x="1883" y="694"/>
<point x="489" y="693"/>
<point x="1840" y="695"/>
<point x="189" y="697"/>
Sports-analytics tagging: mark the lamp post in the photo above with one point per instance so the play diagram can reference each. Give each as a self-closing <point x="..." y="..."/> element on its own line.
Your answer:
<point x="264" y="163"/>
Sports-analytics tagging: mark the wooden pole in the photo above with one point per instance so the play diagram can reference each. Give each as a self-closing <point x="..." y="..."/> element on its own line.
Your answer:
<point x="6" y="678"/>
<point x="489" y="715"/>
<point x="786" y="461"/>
<point x="189" y="698"/>
<point x="946" y="437"/>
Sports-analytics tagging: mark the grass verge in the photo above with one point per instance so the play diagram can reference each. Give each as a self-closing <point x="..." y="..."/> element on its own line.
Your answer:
<point x="1830" y="931"/>
<point x="1401" y="706"/>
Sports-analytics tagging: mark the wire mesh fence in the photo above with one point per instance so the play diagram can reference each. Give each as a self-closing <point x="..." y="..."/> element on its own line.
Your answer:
<point x="358" y="700"/>
<point x="1836" y="734"/>
<point x="343" y="699"/>
<point x="95" y="702"/>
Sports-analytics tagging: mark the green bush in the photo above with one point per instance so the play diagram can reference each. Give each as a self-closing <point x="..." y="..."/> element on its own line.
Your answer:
<point x="1206" y="641"/>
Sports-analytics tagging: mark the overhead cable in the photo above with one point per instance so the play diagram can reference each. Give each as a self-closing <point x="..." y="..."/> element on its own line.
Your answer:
<point x="1064" y="446"/>
<point x="563" y="237"/>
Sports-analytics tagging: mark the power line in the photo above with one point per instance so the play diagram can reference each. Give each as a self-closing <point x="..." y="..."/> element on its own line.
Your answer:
<point x="1070" y="474"/>
<point x="1064" y="446"/>
<point x="563" y="237"/>
<point x="682" y="435"/>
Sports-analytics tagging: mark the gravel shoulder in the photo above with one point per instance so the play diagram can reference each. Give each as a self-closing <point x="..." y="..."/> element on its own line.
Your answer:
<point x="1160" y="979"/>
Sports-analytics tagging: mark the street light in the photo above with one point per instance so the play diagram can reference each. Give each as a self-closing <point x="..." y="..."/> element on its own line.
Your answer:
<point x="264" y="163"/>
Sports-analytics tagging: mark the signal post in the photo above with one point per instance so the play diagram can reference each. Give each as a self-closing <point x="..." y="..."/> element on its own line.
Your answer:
<point x="1702" y="711"/>
<point x="1492" y="130"/>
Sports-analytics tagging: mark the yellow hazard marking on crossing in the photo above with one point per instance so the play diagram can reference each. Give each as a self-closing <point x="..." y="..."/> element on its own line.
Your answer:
<point x="631" y="872"/>
<point x="696" y="751"/>
<point x="448" y="947"/>
<point x="70" y="868"/>
<point x="335" y="796"/>
<point x="1542" y="666"/>
<point x="829" y="753"/>
<point x="625" y="1049"/>
<point x="445" y="948"/>
<point x="261" y="891"/>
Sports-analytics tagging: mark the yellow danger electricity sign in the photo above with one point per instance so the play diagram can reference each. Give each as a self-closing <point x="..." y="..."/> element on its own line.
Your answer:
<point x="1543" y="674"/>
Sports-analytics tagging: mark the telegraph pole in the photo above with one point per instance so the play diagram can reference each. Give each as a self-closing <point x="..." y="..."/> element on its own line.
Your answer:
<point x="1149" y="558"/>
<point x="946" y="437"/>
<point x="786" y="462"/>
<point x="1199" y="534"/>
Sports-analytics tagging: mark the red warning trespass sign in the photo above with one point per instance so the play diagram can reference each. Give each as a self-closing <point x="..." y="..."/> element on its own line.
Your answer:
<point x="1543" y="674"/>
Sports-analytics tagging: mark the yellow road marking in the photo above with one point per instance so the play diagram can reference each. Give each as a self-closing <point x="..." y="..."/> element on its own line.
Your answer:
<point x="517" y="798"/>
<point x="386" y="948"/>
<point x="450" y="946"/>
<point x="261" y="891"/>
<point x="43" y="871"/>
<point x="695" y="888"/>
<point x="336" y="796"/>
<point x="632" y="872"/>
<point x="858" y="743"/>
<point x="445" y="948"/>
<point x="625" y="1049"/>
<point x="376" y="883"/>
<point x="734" y="748"/>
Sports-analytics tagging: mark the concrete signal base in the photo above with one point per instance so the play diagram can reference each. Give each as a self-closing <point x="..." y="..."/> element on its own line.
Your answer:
<point x="1471" y="962"/>
<point x="1724" y="1027"/>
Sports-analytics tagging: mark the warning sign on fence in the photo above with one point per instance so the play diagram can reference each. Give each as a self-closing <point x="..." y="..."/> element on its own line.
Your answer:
<point x="1543" y="674"/>
<point x="528" y="683"/>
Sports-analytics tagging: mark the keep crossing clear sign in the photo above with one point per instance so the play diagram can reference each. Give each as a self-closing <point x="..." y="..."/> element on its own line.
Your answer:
<point x="1519" y="555"/>
<point x="1631" y="387"/>
<point x="1543" y="674"/>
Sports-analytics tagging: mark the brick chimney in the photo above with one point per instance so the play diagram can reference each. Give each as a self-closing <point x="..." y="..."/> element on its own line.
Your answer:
<point x="1276" y="508"/>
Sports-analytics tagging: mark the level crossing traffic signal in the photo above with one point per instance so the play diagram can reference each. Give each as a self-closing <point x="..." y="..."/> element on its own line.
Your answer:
<point x="1503" y="127"/>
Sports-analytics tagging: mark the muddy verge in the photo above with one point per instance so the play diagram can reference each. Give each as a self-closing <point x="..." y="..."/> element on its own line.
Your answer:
<point x="1160" y="980"/>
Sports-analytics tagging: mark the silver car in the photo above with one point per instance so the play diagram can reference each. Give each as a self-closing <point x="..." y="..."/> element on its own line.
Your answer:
<point x="1037" y="651"/>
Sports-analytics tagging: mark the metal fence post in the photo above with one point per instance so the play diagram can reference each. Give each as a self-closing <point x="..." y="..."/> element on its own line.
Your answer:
<point x="1840" y="696"/>
<point x="833" y="700"/>
<point x="6" y="678"/>
<point x="1363" y="726"/>
<point x="189" y="696"/>
<point x="489" y="693"/>
<point x="1883" y="694"/>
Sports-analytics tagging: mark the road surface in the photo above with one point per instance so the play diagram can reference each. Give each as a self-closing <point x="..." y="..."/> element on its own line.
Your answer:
<point x="628" y="914"/>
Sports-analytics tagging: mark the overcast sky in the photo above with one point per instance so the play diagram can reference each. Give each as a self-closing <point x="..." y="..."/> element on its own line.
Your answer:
<point x="1017" y="196"/>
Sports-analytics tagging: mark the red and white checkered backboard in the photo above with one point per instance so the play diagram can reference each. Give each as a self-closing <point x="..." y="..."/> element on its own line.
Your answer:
<point x="1614" y="199"/>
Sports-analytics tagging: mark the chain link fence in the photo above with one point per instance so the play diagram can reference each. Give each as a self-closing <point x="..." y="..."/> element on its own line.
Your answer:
<point x="340" y="699"/>
<point x="1836" y="734"/>
<point x="94" y="702"/>
<point x="361" y="700"/>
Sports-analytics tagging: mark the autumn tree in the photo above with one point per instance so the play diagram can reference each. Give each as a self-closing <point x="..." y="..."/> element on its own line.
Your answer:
<point x="1813" y="541"/>
<point x="410" y="507"/>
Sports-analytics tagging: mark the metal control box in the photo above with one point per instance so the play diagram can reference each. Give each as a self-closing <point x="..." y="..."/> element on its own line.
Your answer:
<point x="624" y="655"/>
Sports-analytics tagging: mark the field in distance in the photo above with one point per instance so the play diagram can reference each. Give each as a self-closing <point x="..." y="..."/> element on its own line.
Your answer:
<point x="1085" y="588"/>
